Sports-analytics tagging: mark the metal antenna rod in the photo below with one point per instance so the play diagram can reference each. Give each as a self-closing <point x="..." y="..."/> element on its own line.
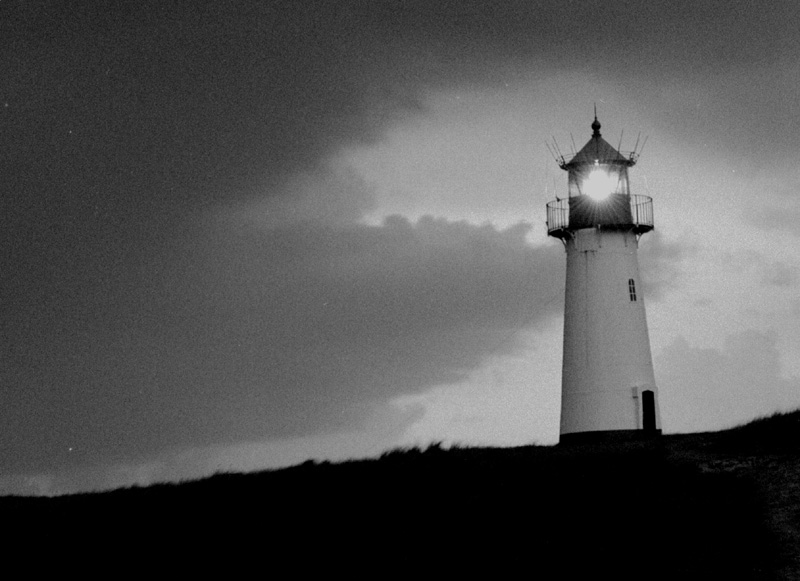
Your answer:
<point x="643" y="144"/>
<point x="558" y="149"/>
<point x="550" y="149"/>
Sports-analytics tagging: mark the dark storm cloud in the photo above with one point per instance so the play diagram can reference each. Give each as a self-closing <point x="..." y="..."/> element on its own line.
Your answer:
<point x="133" y="321"/>
<point x="278" y="333"/>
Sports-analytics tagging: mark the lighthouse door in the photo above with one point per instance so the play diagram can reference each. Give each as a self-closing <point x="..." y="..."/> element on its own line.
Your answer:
<point x="648" y="411"/>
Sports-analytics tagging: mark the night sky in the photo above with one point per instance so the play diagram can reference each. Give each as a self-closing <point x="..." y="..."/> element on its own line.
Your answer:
<point x="239" y="235"/>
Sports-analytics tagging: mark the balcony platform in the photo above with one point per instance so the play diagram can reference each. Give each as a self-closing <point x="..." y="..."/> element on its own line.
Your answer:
<point x="618" y="212"/>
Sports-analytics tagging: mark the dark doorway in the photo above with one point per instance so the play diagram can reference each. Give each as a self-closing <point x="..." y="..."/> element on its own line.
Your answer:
<point x="649" y="411"/>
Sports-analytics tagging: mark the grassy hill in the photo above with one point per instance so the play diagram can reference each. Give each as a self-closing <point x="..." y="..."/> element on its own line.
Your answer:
<point x="722" y="505"/>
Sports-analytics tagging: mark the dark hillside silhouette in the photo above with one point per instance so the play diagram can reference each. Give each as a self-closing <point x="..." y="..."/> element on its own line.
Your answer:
<point x="719" y="505"/>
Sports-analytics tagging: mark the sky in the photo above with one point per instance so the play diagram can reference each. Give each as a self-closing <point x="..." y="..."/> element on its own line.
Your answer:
<point x="241" y="235"/>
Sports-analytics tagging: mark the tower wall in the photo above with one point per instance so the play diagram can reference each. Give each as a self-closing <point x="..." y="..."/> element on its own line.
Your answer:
<point x="607" y="361"/>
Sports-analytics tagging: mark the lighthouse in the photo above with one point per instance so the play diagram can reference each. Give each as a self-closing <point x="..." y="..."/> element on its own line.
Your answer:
<point x="608" y="387"/>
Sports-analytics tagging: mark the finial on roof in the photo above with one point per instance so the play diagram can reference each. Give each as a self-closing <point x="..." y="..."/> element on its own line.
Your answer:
<point x="595" y="124"/>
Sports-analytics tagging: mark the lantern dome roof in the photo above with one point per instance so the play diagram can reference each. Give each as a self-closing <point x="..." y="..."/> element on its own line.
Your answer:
<point x="598" y="150"/>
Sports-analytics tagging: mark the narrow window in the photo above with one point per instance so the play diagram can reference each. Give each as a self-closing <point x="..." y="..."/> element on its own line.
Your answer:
<point x="632" y="289"/>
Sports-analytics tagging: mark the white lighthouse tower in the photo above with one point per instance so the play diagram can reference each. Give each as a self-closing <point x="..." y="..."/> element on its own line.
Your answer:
<point x="608" y="386"/>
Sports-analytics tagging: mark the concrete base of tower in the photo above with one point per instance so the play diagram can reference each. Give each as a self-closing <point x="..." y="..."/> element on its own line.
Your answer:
<point x="608" y="436"/>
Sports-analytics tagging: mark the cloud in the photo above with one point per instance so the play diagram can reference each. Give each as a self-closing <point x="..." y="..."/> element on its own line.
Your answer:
<point x="709" y="389"/>
<point x="279" y="332"/>
<point x="780" y="274"/>
<point x="778" y="212"/>
<point x="659" y="261"/>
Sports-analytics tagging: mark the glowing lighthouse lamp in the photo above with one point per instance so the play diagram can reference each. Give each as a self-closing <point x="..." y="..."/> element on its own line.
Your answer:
<point x="608" y="386"/>
<point x="599" y="184"/>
